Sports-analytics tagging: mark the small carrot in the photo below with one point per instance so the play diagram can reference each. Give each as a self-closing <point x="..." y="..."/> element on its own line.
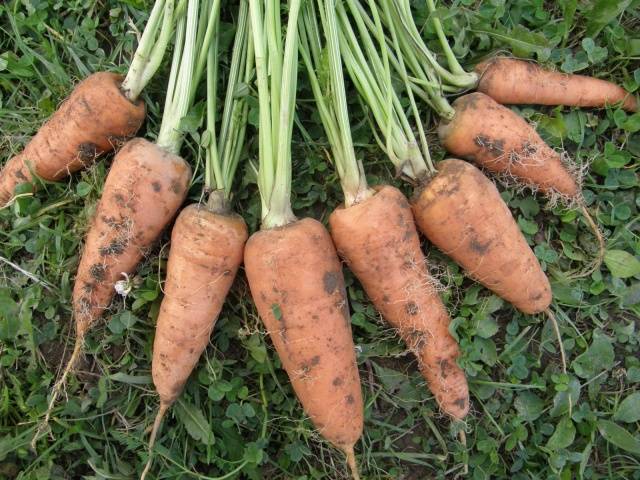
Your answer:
<point x="95" y="119"/>
<point x="397" y="281"/>
<point x="513" y="81"/>
<point x="499" y="140"/>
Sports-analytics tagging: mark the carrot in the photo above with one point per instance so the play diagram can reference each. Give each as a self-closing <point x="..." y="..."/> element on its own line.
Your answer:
<point x="297" y="285"/>
<point x="294" y="272"/>
<point x="499" y="140"/>
<point x="141" y="194"/>
<point x="206" y="252"/>
<point x="93" y="120"/>
<point x="207" y="242"/>
<point x="102" y="112"/>
<point x="378" y="240"/>
<point x="485" y="240"/>
<point x="513" y="81"/>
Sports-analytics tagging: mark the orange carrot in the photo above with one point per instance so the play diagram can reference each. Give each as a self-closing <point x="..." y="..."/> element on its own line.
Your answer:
<point x="206" y="252"/>
<point x="378" y="240"/>
<point x="498" y="139"/>
<point x="141" y="194"/>
<point x="95" y="119"/>
<point x="462" y="213"/>
<point x="297" y="285"/>
<point x="513" y="81"/>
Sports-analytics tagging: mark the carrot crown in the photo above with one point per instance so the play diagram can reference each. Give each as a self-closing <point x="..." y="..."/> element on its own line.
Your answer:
<point x="330" y="96"/>
<point x="276" y="71"/>
<point x="223" y="151"/>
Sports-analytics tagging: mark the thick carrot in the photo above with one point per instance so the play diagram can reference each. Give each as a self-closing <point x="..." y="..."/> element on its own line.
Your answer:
<point x="462" y="213"/>
<point x="378" y="240"/>
<point x="513" y="81"/>
<point x="498" y="139"/>
<point x="144" y="188"/>
<point x="206" y="252"/>
<point x="296" y="282"/>
<point x="95" y="119"/>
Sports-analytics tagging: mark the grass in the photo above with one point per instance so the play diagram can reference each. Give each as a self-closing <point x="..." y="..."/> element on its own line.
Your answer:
<point x="238" y="417"/>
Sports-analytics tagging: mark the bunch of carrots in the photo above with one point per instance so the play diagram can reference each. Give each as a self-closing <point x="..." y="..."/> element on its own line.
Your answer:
<point x="293" y="265"/>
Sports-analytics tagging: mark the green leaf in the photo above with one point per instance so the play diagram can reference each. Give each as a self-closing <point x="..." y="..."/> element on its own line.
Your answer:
<point x="621" y="264"/>
<point x="561" y="399"/>
<point x="529" y="406"/>
<point x="596" y="54"/>
<point x="621" y="438"/>
<point x="563" y="436"/>
<point x="598" y="357"/>
<point x="9" y="321"/>
<point x="629" y="409"/>
<point x="603" y="12"/>
<point x="194" y="421"/>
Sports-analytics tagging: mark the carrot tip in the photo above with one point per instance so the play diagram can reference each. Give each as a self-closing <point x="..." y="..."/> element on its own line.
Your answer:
<point x="152" y="438"/>
<point x="351" y="461"/>
<point x="57" y="389"/>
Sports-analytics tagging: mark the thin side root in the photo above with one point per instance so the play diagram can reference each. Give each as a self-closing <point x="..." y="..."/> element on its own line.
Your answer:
<point x="152" y="438"/>
<point x="597" y="261"/>
<point x="57" y="389"/>
<point x="563" y="357"/>
<point x="351" y="461"/>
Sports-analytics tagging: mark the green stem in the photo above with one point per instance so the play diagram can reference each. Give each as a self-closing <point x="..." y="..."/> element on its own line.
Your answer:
<point x="151" y="50"/>
<point x="331" y="100"/>
<point x="183" y="79"/>
<point x="276" y="97"/>
<point x="372" y="76"/>
<point x="452" y="60"/>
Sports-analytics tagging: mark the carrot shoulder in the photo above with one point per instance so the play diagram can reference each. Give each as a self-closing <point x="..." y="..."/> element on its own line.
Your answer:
<point x="513" y="81"/>
<point x="462" y="213"/>
<point x="297" y="285"/>
<point x="93" y="120"/>
<point x="499" y="140"/>
<point x="380" y="244"/>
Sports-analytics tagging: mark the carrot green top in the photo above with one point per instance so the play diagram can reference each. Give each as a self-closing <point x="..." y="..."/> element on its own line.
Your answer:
<point x="276" y="70"/>
<point x="152" y="46"/>
<point x="329" y="92"/>
<point x="224" y="147"/>
<point x="194" y="33"/>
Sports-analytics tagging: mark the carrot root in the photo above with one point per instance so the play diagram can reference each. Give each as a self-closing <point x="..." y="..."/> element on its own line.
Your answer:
<point x="298" y="288"/>
<point x="92" y="120"/>
<point x="462" y="213"/>
<point x="597" y="233"/>
<point x="379" y="242"/>
<point x="162" y="410"/>
<point x="57" y="389"/>
<point x="351" y="461"/>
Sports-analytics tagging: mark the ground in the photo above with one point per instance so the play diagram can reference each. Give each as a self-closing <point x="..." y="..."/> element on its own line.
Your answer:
<point x="522" y="424"/>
